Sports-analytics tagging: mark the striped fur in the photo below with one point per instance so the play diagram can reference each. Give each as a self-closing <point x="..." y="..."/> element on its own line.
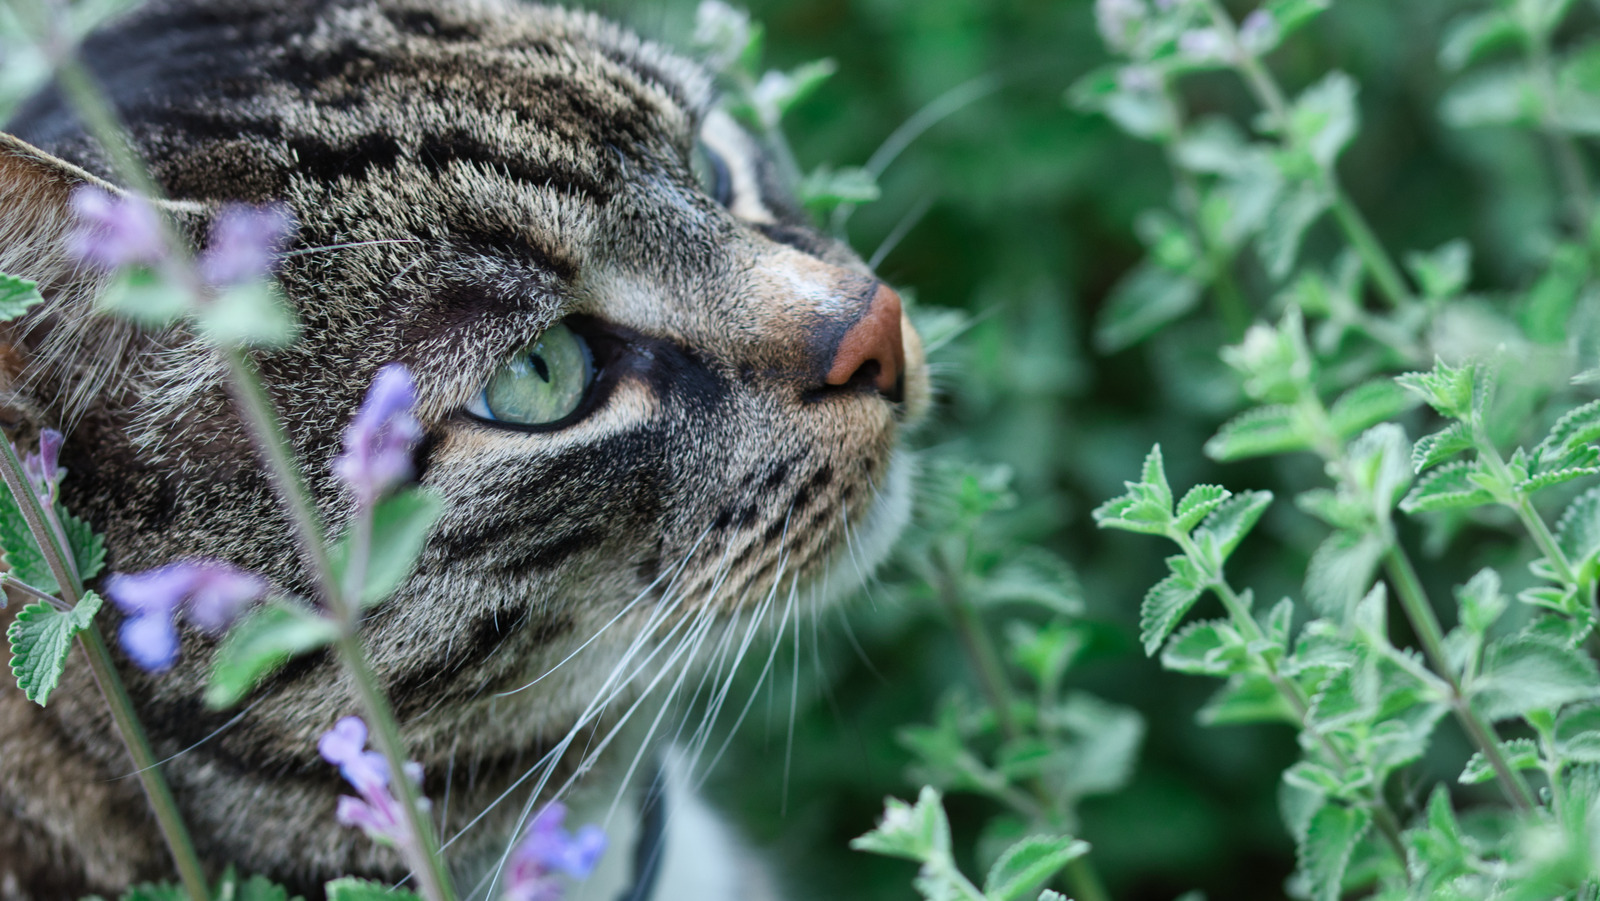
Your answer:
<point x="464" y="173"/>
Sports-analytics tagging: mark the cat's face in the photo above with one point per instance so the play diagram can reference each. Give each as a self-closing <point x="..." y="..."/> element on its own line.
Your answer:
<point x="707" y="434"/>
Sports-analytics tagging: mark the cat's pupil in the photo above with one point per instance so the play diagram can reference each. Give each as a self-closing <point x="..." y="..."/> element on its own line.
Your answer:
<point x="540" y="366"/>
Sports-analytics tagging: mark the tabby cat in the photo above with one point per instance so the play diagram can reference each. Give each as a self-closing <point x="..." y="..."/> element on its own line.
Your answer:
<point x="660" y="407"/>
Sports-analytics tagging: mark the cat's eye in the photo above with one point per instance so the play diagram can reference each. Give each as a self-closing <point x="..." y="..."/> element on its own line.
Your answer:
<point x="543" y="384"/>
<point x="711" y="170"/>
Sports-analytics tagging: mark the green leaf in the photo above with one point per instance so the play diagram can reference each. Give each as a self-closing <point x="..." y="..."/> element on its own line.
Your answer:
<point x="1106" y="747"/>
<point x="1578" y="529"/>
<point x="253" y="314"/>
<point x="1519" y="753"/>
<point x="1147" y="505"/>
<point x="17" y="295"/>
<point x="1499" y="96"/>
<point x="1197" y="502"/>
<point x="145" y="297"/>
<point x="22" y="555"/>
<point x="1578" y="427"/>
<point x="350" y="888"/>
<point x="41" y="638"/>
<point x="825" y="187"/>
<point x="1368" y="404"/>
<point x="1208" y="648"/>
<point x="1340" y="572"/>
<point x="1446" y="488"/>
<point x="1380" y="463"/>
<point x="88" y="548"/>
<point x="1481" y="601"/>
<point x="264" y="640"/>
<point x="1338" y="509"/>
<point x="1258" y="432"/>
<point x="1030" y="862"/>
<point x="1323" y="118"/>
<point x="1144" y="300"/>
<point x="1294" y="210"/>
<point x="1164" y="605"/>
<point x="1527" y="672"/>
<point x="1431" y="450"/>
<point x="1247" y="698"/>
<point x="1229" y="523"/>
<point x="1325" y="852"/>
<point x="152" y="891"/>
<point x="1447" y="389"/>
<point x="400" y="526"/>
<point x="1473" y="35"/>
<point x="1034" y="576"/>
<point x="1291" y="14"/>
<point x="914" y="832"/>
<point x="1547" y="307"/>
<point x="1577" y="734"/>
<point x="1443" y="272"/>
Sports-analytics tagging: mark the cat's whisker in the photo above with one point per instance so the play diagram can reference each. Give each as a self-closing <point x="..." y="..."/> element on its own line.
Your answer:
<point x="757" y="618"/>
<point x="213" y="734"/>
<point x="901" y="229"/>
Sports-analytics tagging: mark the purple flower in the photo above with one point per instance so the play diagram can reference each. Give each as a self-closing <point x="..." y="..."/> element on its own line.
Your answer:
<point x="211" y="593"/>
<point x="115" y="230"/>
<point x="1258" y="31"/>
<point x="377" y="445"/>
<point x="377" y="812"/>
<point x="245" y="241"/>
<point x="42" y="469"/>
<point x="548" y="849"/>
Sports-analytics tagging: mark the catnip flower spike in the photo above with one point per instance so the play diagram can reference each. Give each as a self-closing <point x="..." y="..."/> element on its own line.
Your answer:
<point x="211" y="594"/>
<point x="377" y="812"/>
<point x="245" y="241"/>
<point x="377" y="445"/>
<point x="42" y="468"/>
<point x="115" y="230"/>
<point x="547" y="850"/>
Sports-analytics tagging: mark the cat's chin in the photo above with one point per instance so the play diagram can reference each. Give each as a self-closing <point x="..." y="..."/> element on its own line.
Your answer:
<point x="868" y="543"/>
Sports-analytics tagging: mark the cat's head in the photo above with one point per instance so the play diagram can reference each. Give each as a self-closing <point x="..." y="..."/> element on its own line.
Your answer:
<point x="654" y="395"/>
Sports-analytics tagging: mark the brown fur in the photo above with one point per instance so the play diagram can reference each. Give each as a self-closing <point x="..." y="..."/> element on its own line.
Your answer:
<point x="464" y="174"/>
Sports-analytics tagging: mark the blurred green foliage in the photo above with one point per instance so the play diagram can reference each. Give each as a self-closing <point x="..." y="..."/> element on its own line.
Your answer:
<point x="1024" y="213"/>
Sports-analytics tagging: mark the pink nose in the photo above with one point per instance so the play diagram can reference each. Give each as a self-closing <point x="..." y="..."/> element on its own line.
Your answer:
<point x="872" y="351"/>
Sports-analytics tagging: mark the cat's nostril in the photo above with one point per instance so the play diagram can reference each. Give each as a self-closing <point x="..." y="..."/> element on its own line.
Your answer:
<point x="872" y="352"/>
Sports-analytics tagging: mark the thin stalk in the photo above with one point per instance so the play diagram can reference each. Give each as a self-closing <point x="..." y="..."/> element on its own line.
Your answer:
<point x="425" y="861"/>
<point x="1414" y="601"/>
<point x="1521" y="506"/>
<point x="283" y="470"/>
<point x="6" y="579"/>
<point x="104" y="671"/>
<point x="1081" y="877"/>
<point x="1291" y="692"/>
<point x="1230" y="301"/>
<point x="1385" y="274"/>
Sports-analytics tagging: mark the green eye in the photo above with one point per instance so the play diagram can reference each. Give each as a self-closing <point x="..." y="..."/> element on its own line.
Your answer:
<point x="543" y="383"/>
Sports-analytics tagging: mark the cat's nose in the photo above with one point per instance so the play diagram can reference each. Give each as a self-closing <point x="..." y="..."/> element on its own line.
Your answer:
<point x="872" y="350"/>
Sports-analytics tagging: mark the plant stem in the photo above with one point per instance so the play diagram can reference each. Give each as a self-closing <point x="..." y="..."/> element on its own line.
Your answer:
<point x="283" y="470"/>
<point x="1230" y="301"/>
<point x="424" y="851"/>
<point x="129" y="729"/>
<point x="1414" y="601"/>
<point x="1385" y="274"/>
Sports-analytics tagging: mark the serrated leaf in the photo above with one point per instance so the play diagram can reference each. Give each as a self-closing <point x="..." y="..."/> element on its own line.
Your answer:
<point x="1379" y="460"/>
<point x="1578" y="426"/>
<point x="1337" y="509"/>
<point x="1325" y="852"/>
<point x="1141" y="302"/>
<point x="1207" y="648"/>
<point x="1555" y="477"/>
<point x="1527" y="672"/>
<point x="1431" y="450"/>
<point x="1446" y="388"/>
<point x="350" y="888"/>
<point x="1197" y="502"/>
<point x="1519" y="754"/>
<point x="1258" y="432"/>
<point x="1294" y="210"/>
<point x="1107" y="738"/>
<point x="1368" y="404"/>
<point x="1346" y="697"/>
<point x="268" y="637"/>
<point x="1502" y="95"/>
<point x="1029" y="862"/>
<point x="17" y="296"/>
<point x="88" y="548"/>
<point x="1313" y="777"/>
<point x="1470" y="36"/>
<point x="1164" y="605"/>
<point x="1323" y="118"/>
<point x="1248" y="698"/>
<point x="1229" y="523"/>
<point x="1442" y="273"/>
<point x="400" y="526"/>
<point x="1481" y="601"/>
<point x="1340" y="572"/>
<point x="1147" y="505"/>
<point x="913" y="832"/>
<point x="41" y="638"/>
<point x="155" y="891"/>
<point x="21" y="552"/>
<point x="1447" y="488"/>
<point x="1032" y="576"/>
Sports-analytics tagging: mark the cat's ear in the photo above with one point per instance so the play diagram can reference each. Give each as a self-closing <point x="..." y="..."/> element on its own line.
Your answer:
<point x="36" y="200"/>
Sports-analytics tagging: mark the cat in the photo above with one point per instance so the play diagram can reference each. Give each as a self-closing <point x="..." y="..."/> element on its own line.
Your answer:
<point x="482" y="189"/>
